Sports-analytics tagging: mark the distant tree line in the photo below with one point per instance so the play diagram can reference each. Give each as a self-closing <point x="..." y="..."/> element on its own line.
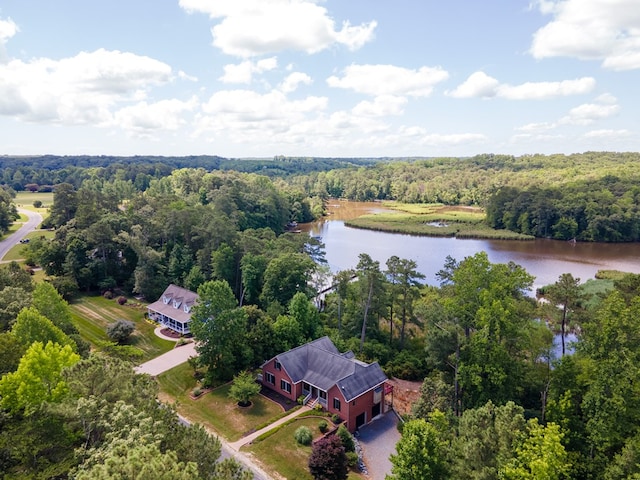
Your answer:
<point x="602" y="210"/>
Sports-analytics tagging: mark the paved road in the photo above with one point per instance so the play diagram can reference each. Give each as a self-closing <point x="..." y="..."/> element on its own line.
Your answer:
<point x="31" y="224"/>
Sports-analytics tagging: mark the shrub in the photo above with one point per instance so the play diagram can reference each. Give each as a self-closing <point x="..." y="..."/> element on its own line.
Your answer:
<point x="303" y="435"/>
<point x="37" y="204"/>
<point x="122" y="300"/>
<point x="352" y="459"/>
<point x="323" y="426"/>
<point x="335" y="418"/>
<point x="346" y="439"/>
<point x="317" y="407"/>
<point x="301" y="399"/>
<point x="108" y="294"/>
<point x="197" y="392"/>
<point x="120" y="331"/>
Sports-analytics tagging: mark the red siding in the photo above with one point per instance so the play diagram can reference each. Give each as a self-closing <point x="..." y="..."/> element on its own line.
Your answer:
<point x="348" y="411"/>
<point x="296" y="390"/>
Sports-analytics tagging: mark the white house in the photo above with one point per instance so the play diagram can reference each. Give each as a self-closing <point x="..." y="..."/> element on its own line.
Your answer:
<point x="173" y="308"/>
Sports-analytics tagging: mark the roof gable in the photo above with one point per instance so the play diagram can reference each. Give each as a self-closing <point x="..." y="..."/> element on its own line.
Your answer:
<point x="320" y="364"/>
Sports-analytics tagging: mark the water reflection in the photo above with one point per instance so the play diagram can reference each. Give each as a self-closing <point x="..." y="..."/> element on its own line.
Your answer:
<point x="545" y="259"/>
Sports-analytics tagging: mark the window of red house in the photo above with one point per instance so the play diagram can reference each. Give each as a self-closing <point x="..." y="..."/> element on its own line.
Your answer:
<point x="336" y="403"/>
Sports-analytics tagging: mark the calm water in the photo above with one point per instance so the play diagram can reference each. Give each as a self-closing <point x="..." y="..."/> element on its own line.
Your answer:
<point x="545" y="259"/>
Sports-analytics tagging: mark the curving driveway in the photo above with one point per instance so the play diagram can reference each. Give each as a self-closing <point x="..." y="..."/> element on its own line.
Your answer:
<point x="31" y="224"/>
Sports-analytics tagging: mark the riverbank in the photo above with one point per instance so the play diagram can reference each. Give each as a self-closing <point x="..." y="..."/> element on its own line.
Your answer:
<point x="433" y="221"/>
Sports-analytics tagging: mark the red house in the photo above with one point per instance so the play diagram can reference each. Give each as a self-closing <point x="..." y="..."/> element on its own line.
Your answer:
<point x="343" y="385"/>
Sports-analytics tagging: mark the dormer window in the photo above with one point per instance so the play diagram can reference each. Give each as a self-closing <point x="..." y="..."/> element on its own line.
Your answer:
<point x="176" y="303"/>
<point x="187" y="309"/>
<point x="166" y="299"/>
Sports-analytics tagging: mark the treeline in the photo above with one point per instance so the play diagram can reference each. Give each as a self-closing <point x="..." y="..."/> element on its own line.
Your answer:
<point x="185" y="228"/>
<point x="602" y="210"/>
<point x="41" y="173"/>
<point x="466" y="181"/>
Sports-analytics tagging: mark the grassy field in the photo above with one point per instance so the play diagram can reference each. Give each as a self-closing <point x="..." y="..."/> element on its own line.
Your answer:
<point x="25" y="200"/>
<point x="215" y="408"/>
<point x="92" y="314"/>
<point x="435" y="221"/>
<point x="280" y="453"/>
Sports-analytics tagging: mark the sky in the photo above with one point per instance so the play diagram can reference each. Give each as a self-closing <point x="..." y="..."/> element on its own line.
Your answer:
<point x="323" y="78"/>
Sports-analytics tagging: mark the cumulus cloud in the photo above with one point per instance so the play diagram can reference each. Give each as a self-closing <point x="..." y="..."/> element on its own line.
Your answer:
<point x="244" y="71"/>
<point x="8" y="29"/>
<point x="77" y="90"/>
<point x="481" y="85"/>
<point x="381" y="106"/>
<point x="248" y="28"/>
<point x="389" y="80"/>
<point x="608" y="134"/>
<point x="294" y="80"/>
<point x="143" y="119"/>
<point x="604" y="106"/>
<point x="605" y="30"/>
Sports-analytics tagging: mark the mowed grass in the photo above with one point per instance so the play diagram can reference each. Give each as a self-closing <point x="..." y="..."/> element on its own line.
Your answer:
<point x="25" y="200"/>
<point x="92" y="314"/>
<point x="281" y="454"/>
<point x="215" y="409"/>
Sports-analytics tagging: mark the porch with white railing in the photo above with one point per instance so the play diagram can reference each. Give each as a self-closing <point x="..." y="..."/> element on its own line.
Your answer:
<point x="314" y="395"/>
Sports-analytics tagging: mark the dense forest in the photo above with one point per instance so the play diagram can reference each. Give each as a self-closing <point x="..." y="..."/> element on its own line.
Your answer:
<point x="496" y="402"/>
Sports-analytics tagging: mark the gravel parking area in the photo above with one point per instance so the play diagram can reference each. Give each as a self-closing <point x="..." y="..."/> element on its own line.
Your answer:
<point x="378" y="440"/>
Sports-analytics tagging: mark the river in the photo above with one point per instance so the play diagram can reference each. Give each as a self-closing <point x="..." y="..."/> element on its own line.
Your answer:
<point x="545" y="259"/>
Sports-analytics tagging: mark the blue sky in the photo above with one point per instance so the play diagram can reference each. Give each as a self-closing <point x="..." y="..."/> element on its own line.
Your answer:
<point x="343" y="78"/>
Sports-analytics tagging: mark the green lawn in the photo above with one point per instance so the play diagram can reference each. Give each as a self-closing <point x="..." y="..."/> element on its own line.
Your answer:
<point x="280" y="453"/>
<point x="215" y="409"/>
<point x="26" y="199"/>
<point x="92" y="314"/>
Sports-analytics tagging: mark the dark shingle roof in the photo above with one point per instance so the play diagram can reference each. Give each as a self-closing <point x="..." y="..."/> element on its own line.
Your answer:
<point x="320" y="364"/>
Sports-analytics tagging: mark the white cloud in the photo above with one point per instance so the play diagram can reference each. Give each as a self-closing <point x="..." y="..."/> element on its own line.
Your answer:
<point x="243" y="72"/>
<point x="293" y="80"/>
<point x="608" y="134"/>
<point x="256" y="27"/>
<point x="479" y="84"/>
<point x="77" y="90"/>
<point x="8" y="29"/>
<point x="381" y="106"/>
<point x="389" y="80"/>
<point x="536" y="127"/>
<point x="143" y="119"/>
<point x="544" y="90"/>
<point x="605" y="106"/>
<point x="606" y="30"/>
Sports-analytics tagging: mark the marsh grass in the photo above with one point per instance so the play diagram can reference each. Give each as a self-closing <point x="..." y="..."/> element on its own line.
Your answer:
<point x="434" y="221"/>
